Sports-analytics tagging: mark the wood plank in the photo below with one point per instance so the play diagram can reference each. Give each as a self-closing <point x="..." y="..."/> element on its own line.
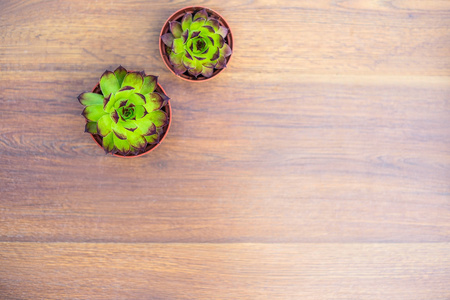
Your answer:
<point x="319" y="37"/>
<point x="224" y="271"/>
<point x="347" y="159"/>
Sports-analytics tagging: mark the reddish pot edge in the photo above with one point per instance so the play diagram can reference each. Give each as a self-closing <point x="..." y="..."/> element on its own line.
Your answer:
<point x="177" y="15"/>
<point x="150" y="147"/>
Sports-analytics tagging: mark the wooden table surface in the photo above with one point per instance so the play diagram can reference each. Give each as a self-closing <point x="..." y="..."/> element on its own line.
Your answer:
<point x="316" y="166"/>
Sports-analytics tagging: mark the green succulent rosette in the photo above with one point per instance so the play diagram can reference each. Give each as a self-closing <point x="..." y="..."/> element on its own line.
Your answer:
<point x="128" y="113"/>
<point x="197" y="44"/>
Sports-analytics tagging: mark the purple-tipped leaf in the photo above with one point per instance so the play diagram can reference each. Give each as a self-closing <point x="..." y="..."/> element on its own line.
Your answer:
<point x="221" y="63"/>
<point x="108" y="143"/>
<point x="158" y="117"/>
<point x="179" y="69"/>
<point x="175" y="28"/>
<point x="133" y="79"/>
<point x="213" y="23"/>
<point x="91" y="127"/>
<point x="115" y="116"/>
<point x="186" y="21"/>
<point x="140" y="112"/>
<point x="212" y="40"/>
<point x="167" y="39"/>
<point x="226" y="50"/>
<point x="185" y="36"/>
<point x="201" y="14"/>
<point x="195" y="34"/>
<point x="109" y="83"/>
<point x="209" y="28"/>
<point x="120" y="73"/>
<point x="154" y="101"/>
<point x="90" y="99"/>
<point x="197" y="24"/>
<point x="176" y="59"/>
<point x="207" y="72"/>
<point x="104" y="125"/>
<point x="93" y="112"/>
<point x="122" y="145"/>
<point x="216" y="54"/>
<point x="153" y="139"/>
<point x="178" y="46"/>
<point x="223" y="31"/>
<point x="149" y="84"/>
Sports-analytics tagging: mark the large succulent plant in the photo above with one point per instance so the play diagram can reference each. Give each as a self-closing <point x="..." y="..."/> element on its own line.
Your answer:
<point x="127" y="114"/>
<point x="197" y="44"/>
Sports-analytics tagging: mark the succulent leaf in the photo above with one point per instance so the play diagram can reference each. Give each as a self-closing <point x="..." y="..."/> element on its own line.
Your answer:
<point x="207" y="72"/>
<point x="158" y="117"/>
<point x="201" y="14"/>
<point x="213" y="23"/>
<point x="186" y="21"/>
<point x="154" y="102"/>
<point x="146" y="126"/>
<point x="137" y="99"/>
<point x="175" y="28"/>
<point x="178" y="45"/>
<point x="179" y="69"/>
<point x="122" y="145"/>
<point x="167" y="39"/>
<point x="108" y="142"/>
<point x="91" y="127"/>
<point x="120" y="73"/>
<point x="93" y="112"/>
<point x="104" y="125"/>
<point x="137" y="141"/>
<point x="149" y="84"/>
<point x="133" y="79"/>
<point x="223" y="31"/>
<point x="225" y="50"/>
<point x="90" y="99"/>
<point x="109" y="83"/>
<point x="197" y="24"/>
<point x="140" y="112"/>
<point x="153" y="139"/>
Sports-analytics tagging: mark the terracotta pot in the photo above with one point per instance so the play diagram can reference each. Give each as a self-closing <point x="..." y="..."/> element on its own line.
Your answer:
<point x="177" y="16"/>
<point x="150" y="147"/>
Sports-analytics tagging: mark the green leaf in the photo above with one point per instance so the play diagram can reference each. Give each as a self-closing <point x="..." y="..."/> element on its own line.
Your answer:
<point x="175" y="28"/>
<point x="153" y="139"/>
<point x="137" y="99"/>
<point x="120" y="73"/>
<point x="197" y="24"/>
<point x="137" y="141"/>
<point x="178" y="45"/>
<point x="93" y="112"/>
<point x="154" y="101"/>
<point x="109" y="83"/>
<point x="133" y="79"/>
<point x="108" y="103"/>
<point x="159" y="118"/>
<point x="104" y="125"/>
<point x="90" y="99"/>
<point x="176" y="58"/>
<point x="188" y="63"/>
<point x="146" y="126"/>
<point x="123" y="146"/>
<point x="140" y="112"/>
<point x="108" y="142"/>
<point x="123" y="93"/>
<point x="186" y="21"/>
<point x="218" y="40"/>
<point x="149" y="85"/>
<point x="119" y="131"/>
<point x="130" y="125"/>
<point x="91" y="127"/>
<point x="167" y="39"/>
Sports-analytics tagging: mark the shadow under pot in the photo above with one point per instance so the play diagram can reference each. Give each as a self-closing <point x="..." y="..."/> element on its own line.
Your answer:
<point x="196" y="43"/>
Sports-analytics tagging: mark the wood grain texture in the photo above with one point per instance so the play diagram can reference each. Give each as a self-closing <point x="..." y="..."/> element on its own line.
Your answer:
<point x="325" y="143"/>
<point x="226" y="271"/>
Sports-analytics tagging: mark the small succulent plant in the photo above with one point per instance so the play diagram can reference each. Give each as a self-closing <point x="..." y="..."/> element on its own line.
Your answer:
<point x="127" y="112"/>
<point x="197" y="44"/>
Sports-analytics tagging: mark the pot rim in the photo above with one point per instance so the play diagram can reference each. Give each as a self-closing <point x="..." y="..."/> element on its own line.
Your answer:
<point x="164" y="30"/>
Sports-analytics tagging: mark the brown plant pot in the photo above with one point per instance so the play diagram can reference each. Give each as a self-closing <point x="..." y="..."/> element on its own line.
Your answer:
<point x="150" y="147"/>
<point x="177" y="16"/>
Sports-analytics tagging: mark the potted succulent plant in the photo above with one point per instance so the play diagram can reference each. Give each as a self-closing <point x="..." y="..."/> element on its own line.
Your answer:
<point x="196" y="43"/>
<point x="127" y="113"/>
